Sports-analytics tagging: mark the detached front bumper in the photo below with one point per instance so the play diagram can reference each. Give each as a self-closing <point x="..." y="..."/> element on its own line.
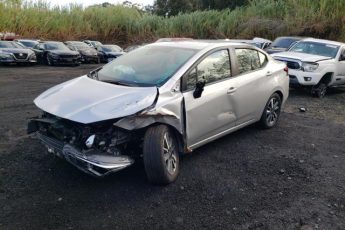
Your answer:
<point x="91" y="162"/>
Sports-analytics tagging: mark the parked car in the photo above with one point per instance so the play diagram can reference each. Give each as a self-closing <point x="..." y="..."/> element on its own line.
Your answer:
<point x="29" y="43"/>
<point x="55" y="53"/>
<point x="131" y="48"/>
<point x="282" y="44"/>
<point x="159" y="101"/>
<point x="87" y="53"/>
<point x="173" y="39"/>
<point x="93" y="44"/>
<point x="109" y="52"/>
<point x="11" y="52"/>
<point x="315" y="63"/>
<point x="258" y="42"/>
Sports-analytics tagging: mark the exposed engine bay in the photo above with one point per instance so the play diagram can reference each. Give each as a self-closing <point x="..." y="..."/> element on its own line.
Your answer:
<point x="98" y="148"/>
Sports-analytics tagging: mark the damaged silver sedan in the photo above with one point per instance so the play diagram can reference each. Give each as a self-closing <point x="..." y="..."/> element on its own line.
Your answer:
<point x="159" y="102"/>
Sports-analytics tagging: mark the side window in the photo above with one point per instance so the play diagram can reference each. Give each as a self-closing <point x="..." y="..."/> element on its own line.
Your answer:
<point x="248" y="60"/>
<point x="263" y="59"/>
<point x="191" y="79"/>
<point x="213" y="68"/>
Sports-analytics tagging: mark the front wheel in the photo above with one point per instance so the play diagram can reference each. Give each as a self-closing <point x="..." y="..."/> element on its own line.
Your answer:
<point x="161" y="157"/>
<point x="320" y="90"/>
<point x="271" y="112"/>
<point x="48" y="61"/>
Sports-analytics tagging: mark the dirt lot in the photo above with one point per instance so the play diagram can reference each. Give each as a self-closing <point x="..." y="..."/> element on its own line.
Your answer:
<point x="284" y="178"/>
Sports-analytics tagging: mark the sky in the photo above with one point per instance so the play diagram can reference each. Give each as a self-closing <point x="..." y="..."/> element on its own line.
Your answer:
<point x="92" y="2"/>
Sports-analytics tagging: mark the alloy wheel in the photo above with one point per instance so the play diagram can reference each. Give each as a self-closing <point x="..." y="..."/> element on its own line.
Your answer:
<point x="272" y="111"/>
<point x="169" y="154"/>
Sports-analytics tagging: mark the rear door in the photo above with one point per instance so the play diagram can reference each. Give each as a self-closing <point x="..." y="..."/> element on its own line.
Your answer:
<point x="251" y="84"/>
<point x="212" y="113"/>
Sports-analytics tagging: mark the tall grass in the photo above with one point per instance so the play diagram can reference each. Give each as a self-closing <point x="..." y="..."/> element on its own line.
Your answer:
<point x="262" y="18"/>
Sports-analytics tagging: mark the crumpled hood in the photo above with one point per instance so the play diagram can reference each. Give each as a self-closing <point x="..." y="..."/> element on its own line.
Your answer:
<point x="86" y="100"/>
<point x="300" y="56"/>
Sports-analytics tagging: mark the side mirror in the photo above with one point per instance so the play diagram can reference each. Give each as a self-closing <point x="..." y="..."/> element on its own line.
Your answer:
<point x="342" y="57"/>
<point x="199" y="88"/>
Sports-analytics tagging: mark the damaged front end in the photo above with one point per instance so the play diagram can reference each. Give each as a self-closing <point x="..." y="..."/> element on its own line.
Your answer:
<point x="97" y="149"/>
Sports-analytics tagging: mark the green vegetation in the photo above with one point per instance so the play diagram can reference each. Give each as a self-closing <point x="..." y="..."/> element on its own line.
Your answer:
<point x="124" y="25"/>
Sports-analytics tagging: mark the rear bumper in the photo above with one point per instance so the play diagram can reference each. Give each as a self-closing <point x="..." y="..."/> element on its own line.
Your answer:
<point x="91" y="162"/>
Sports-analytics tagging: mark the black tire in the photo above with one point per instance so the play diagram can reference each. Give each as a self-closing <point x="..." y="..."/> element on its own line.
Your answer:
<point x="271" y="113"/>
<point x="48" y="61"/>
<point x="161" y="162"/>
<point x="319" y="90"/>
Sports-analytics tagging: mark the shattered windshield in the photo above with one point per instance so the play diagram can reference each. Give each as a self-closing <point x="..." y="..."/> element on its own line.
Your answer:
<point x="316" y="48"/>
<point x="146" y="66"/>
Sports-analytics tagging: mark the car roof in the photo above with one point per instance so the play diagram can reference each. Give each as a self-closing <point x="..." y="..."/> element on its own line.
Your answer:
<point x="50" y="42"/>
<point x="324" y="41"/>
<point x="291" y="37"/>
<point x="200" y="45"/>
<point x="75" y="42"/>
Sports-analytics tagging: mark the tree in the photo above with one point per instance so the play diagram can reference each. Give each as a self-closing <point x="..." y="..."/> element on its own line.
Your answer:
<point x="173" y="7"/>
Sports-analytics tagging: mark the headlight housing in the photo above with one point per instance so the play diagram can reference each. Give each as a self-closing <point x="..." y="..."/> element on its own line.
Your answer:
<point x="309" y="66"/>
<point x="5" y="55"/>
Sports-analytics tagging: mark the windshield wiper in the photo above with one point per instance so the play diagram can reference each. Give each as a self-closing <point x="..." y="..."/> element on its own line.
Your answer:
<point x="119" y="83"/>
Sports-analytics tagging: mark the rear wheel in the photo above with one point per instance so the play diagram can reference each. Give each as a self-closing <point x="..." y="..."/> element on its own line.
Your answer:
<point x="271" y="112"/>
<point x="161" y="157"/>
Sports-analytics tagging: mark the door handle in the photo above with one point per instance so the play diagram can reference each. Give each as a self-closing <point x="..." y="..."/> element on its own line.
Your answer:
<point x="269" y="73"/>
<point x="231" y="90"/>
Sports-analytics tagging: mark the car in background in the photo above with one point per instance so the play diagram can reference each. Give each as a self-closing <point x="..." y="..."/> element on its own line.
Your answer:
<point x="29" y="43"/>
<point x="56" y="53"/>
<point x="282" y="44"/>
<point x="315" y="63"/>
<point x="93" y="44"/>
<point x="87" y="53"/>
<point x="257" y="42"/>
<point x="8" y="36"/>
<point x="109" y="52"/>
<point x="173" y="39"/>
<point x="131" y="48"/>
<point x="159" y="102"/>
<point x="11" y="52"/>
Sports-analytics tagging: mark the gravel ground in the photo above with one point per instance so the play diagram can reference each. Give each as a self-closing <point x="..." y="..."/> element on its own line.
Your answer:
<point x="289" y="177"/>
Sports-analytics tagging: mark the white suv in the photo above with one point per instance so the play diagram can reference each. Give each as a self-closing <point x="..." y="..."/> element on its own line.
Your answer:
<point x="316" y="63"/>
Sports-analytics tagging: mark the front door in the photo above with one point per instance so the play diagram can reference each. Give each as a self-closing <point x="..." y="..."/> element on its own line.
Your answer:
<point x="212" y="113"/>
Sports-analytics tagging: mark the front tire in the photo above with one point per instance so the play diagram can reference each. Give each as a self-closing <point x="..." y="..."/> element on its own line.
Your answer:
<point x="161" y="156"/>
<point x="48" y="61"/>
<point x="320" y="90"/>
<point x="271" y="113"/>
